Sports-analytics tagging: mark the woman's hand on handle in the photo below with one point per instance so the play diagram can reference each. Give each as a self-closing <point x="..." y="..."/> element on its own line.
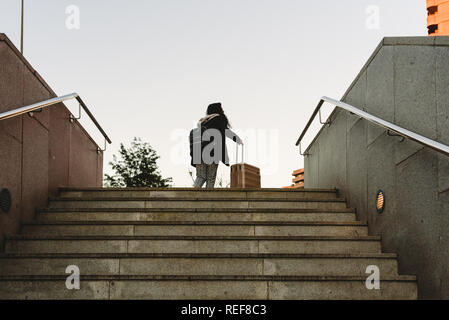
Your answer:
<point x="238" y="140"/>
<point x="232" y="135"/>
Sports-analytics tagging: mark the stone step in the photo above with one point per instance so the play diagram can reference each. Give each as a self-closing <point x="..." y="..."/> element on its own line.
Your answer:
<point x="198" y="264"/>
<point x="195" y="215"/>
<point x="195" y="193"/>
<point x="223" y="203"/>
<point x="194" y="228"/>
<point x="183" y="244"/>
<point x="207" y="287"/>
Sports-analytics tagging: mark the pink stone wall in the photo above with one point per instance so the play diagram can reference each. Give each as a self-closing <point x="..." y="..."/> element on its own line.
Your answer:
<point x="41" y="153"/>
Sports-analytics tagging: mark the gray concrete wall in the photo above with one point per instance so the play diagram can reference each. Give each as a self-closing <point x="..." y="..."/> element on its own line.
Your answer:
<point x="405" y="81"/>
<point x="38" y="154"/>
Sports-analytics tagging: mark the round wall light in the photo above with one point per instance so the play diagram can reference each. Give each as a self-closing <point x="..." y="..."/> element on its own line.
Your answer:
<point x="380" y="201"/>
<point x="5" y="200"/>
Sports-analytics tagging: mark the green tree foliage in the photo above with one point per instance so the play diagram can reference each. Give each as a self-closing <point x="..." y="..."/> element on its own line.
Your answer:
<point x="136" y="167"/>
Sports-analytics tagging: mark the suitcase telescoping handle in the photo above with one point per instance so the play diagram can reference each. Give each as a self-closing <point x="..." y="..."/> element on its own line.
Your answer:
<point x="241" y="163"/>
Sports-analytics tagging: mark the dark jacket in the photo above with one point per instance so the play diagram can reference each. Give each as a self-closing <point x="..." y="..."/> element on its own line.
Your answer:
<point x="219" y="123"/>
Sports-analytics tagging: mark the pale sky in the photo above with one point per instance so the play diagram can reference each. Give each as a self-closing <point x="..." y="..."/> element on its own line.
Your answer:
<point x="149" y="68"/>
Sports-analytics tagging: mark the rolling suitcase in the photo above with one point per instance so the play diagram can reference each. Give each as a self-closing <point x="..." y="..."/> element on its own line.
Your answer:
<point x="244" y="175"/>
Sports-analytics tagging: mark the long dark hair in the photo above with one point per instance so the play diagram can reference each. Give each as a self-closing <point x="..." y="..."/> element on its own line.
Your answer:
<point x="216" y="108"/>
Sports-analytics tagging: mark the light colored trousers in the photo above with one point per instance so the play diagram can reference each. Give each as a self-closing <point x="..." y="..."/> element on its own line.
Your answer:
<point x="206" y="173"/>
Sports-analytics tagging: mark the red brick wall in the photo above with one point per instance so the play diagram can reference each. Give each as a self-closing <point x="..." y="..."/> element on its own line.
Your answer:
<point x="298" y="179"/>
<point x="438" y="17"/>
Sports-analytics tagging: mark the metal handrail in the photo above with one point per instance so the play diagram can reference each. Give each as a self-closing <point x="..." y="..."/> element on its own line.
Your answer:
<point x="442" y="148"/>
<point x="51" y="102"/>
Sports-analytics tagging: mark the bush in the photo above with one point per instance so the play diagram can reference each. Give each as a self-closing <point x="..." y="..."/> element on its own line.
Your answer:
<point x="136" y="167"/>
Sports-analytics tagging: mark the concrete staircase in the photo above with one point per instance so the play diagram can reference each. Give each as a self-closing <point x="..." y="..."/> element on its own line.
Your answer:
<point x="198" y="244"/>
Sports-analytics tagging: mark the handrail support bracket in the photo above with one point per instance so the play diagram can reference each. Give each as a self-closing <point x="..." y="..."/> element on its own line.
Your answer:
<point x="99" y="150"/>
<point x="391" y="134"/>
<point x="300" y="151"/>
<point x="328" y="121"/>
<point x="31" y="113"/>
<point x="72" y="118"/>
